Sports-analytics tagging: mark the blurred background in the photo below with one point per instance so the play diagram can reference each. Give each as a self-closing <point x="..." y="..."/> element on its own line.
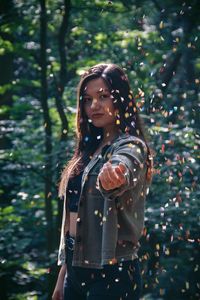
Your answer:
<point x="44" y="48"/>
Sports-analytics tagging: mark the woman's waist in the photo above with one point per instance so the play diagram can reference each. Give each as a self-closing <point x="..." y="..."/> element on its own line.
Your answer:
<point x="70" y="242"/>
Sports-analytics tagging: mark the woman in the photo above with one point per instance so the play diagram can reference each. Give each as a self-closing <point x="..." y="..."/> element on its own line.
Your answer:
<point x="104" y="188"/>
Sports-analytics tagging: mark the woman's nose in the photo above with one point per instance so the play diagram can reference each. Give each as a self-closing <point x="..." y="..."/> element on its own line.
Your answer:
<point x="95" y="103"/>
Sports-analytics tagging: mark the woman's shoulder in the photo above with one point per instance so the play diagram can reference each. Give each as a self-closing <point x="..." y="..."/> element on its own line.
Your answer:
<point x="124" y="139"/>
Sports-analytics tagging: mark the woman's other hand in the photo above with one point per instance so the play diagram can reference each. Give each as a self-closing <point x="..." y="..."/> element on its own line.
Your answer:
<point x="112" y="177"/>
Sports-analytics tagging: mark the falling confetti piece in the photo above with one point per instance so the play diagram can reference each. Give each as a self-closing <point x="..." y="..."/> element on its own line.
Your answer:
<point x="167" y="252"/>
<point x="157" y="246"/>
<point x="156" y="280"/>
<point x="161" y="25"/>
<point x="126" y="115"/>
<point x="141" y="93"/>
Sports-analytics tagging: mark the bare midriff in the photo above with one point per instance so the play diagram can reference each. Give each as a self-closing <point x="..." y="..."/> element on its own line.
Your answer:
<point x="72" y="223"/>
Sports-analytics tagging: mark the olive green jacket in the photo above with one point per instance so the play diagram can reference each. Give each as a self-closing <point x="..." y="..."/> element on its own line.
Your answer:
<point x="109" y="223"/>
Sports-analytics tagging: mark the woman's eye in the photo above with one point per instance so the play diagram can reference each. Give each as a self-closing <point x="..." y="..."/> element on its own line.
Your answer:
<point x="87" y="99"/>
<point x="104" y="96"/>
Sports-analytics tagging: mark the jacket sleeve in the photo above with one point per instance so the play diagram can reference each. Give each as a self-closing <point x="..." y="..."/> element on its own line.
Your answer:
<point x="133" y="154"/>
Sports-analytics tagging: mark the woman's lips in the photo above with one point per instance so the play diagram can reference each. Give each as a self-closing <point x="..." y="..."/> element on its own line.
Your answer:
<point x="97" y="115"/>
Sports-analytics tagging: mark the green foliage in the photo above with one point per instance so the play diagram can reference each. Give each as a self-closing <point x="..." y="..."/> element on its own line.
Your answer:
<point x="142" y="37"/>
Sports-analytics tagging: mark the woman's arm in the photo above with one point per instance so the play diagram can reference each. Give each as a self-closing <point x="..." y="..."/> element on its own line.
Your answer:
<point x="58" y="291"/>
<point x="129" y="160"/>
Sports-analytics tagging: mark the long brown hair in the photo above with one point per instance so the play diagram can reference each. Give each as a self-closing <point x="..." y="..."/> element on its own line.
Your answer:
<point x="88" y="136"/>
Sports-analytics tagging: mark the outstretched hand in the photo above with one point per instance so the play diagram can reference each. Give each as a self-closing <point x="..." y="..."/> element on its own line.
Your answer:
<point x="112" y="177"/>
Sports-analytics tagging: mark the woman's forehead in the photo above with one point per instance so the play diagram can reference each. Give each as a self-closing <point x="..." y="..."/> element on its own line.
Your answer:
<point x="95" y="86"/>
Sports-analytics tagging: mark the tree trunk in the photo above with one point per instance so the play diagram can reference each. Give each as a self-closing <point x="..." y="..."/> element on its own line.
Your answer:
<point x="47" y="127"/>
<point x="59" y="103"/>
<point x="63" y="68"/>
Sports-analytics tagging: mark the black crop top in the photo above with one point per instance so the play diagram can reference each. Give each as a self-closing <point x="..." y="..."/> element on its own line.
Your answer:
<point x="73" y="192"/>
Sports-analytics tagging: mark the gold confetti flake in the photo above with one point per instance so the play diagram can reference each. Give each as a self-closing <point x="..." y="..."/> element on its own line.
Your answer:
<point x="157" y="247"/>
<point x="141" y="93"/>
<point x="126" y="115"/>
<point x="167" y="252"/>
<point x="156" y="280"/>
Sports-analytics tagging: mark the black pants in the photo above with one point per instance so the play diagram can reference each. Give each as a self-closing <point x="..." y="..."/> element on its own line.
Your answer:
<point x="113" y="282"/>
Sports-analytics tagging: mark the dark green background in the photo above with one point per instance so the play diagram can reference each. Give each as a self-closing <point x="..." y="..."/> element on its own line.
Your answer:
<point x="44" y="47"/>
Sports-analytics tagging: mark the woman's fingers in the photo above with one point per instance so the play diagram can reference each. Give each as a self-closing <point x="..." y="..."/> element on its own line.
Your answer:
<point x="105" y="179"/>
<point x="121" y="170"/>
<point x="110" y="177"/>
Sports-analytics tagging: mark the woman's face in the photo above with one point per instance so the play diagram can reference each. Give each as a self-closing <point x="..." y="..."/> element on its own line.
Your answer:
<point x="98" y="104"/>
